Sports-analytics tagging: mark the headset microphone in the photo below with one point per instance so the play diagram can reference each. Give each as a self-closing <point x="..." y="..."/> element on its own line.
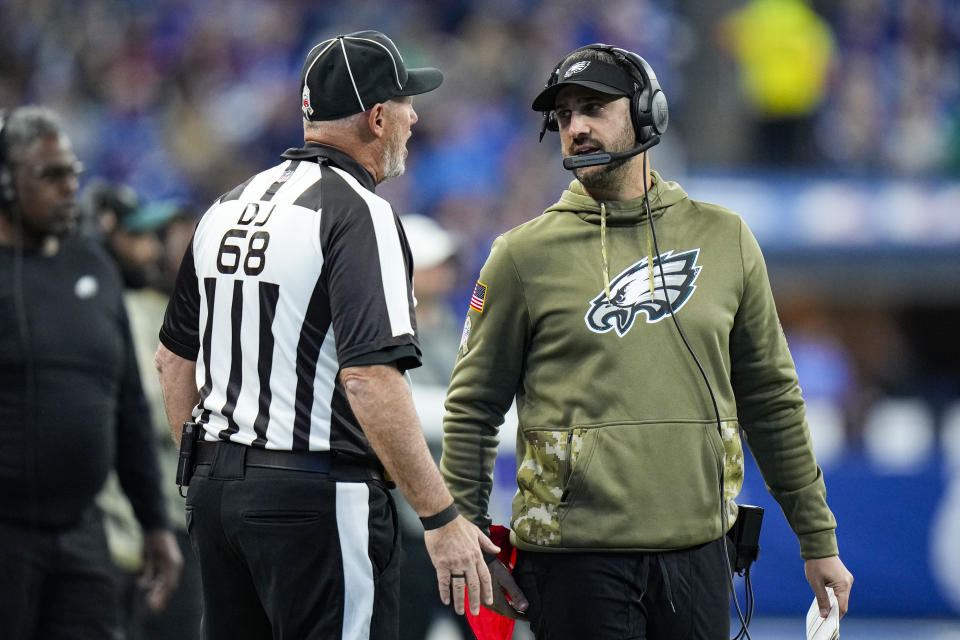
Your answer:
<point x="594" y="159"/>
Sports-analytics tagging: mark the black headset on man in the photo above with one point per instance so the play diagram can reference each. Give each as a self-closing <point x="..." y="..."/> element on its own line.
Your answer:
<point x="650" y="118"/>
<point x="648" y="109"/>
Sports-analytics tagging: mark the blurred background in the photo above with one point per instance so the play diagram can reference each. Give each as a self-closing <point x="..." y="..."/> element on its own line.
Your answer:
<point x="832" y="127"/>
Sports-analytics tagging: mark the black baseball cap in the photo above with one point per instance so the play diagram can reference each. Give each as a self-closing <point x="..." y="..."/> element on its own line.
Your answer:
<point x="349" y="74"/>
<point x="593" y="74"/>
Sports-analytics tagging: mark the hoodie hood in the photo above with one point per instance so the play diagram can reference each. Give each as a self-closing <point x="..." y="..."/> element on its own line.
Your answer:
<point x="619" y="212"/>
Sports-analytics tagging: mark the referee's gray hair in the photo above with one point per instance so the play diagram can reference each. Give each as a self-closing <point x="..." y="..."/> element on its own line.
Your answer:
<point x="340" y="125"/>
<point x="25" y="125"/>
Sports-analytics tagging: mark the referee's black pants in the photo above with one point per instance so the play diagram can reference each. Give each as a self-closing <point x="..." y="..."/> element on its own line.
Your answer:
<point x="292" y="555"/>
<point x="676" y="595"/>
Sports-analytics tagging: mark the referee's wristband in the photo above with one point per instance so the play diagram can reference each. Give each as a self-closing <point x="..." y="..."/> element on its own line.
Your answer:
<point x="438" y="520"/>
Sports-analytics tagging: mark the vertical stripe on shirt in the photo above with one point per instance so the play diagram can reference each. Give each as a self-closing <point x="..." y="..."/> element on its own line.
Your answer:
<point x="393" y="268"/>
<point x="308" y="353"/>
<point x="236" y="360"/>
<point x="209" y="289"/>
<point x="269" y="294"/>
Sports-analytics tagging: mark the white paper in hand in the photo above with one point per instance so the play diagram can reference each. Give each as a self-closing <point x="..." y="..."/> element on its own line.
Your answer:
<point x="824" y="628"/>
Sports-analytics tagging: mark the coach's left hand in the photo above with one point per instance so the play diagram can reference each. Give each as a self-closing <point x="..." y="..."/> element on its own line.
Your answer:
<point x="504" y="585"/>
<point x="162" y="562"/>
<point x="829" y="572"/>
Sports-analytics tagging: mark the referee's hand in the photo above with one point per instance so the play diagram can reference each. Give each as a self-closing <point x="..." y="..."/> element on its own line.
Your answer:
<point x="456" y="551"/>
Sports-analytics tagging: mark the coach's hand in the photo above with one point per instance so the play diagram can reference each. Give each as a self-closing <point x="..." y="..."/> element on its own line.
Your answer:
<point x="162" y="562"/>
<point x="503" y="581"/>
<point x="829" y="572"/>
<point x="456" y="551"/>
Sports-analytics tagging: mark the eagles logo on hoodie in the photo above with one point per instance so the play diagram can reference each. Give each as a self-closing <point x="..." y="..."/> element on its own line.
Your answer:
<point x="630" y="292"/>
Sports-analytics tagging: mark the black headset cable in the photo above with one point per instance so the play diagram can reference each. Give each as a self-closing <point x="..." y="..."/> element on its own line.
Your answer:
<point x="713" y="399"/>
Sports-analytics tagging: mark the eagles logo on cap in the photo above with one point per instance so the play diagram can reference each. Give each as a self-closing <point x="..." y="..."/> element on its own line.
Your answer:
<point x="577" y="68"/>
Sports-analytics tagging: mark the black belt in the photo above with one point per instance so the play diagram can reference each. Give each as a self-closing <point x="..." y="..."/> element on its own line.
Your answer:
<point x="315" y="461"/>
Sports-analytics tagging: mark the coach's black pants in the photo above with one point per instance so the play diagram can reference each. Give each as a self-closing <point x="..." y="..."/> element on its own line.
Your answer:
<point x="677" y="595"/>
<point x="292" y="554"/>
<point x="58" y="584"/>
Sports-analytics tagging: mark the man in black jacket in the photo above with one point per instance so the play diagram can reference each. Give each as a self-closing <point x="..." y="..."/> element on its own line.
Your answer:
<point x="71" y="403"/>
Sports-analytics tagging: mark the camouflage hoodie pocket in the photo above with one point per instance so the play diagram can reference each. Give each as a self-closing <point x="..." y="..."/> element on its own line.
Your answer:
<point x="542" y="478"/>
<point x="643" y="486"/>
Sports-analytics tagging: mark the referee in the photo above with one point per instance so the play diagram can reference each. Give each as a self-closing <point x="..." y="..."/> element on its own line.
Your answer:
<point x="286" y="340"/>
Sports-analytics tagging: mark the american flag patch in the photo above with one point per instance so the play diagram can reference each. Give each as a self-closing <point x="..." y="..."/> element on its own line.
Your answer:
<point x="479" y="293"/>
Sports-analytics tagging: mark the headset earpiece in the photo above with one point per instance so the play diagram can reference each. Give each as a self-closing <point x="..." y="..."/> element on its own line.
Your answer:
<point x="648" y="110"/>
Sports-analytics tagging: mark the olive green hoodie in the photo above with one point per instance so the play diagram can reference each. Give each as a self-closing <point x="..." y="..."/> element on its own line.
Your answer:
<point x="618" y="446"/>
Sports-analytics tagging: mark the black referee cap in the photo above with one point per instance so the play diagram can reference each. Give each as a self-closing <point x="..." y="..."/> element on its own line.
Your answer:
<point x="349" y="74"/>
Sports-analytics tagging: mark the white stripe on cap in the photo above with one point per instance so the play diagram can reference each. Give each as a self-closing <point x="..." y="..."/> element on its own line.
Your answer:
<point x="343" y="47"/>
<point x="353" y="528"/>
<point x="396" y="73"/>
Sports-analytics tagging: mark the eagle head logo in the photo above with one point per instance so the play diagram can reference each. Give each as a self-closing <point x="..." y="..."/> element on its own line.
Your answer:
<point x="576" y="68"/>
<point x="630" y="292"/>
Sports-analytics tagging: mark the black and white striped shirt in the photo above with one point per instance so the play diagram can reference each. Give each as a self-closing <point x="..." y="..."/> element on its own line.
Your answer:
<point x="292" y="275"/>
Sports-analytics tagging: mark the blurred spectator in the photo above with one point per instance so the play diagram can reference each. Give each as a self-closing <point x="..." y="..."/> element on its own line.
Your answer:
<point x="784" y="51"/>
<point x="824" y="365"/>
<point x="434" y="275"/>
<point x="177" y="236"/>
<point x="131" y="233"/>
<point x="894" y="100"/>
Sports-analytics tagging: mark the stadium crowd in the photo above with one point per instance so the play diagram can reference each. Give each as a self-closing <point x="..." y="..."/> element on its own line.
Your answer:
<point x="180" y="98"/>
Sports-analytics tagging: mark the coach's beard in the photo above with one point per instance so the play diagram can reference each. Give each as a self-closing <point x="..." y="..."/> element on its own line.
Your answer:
<point x="608" y="176"/>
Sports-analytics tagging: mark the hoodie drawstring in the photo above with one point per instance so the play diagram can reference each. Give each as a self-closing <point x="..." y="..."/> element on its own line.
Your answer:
<point x="643" y="577"/>
<point x="650" y="275"/>
<point x="603" y="249"/>
<point x="603" y="254"/>
<point x="665" y="574"/>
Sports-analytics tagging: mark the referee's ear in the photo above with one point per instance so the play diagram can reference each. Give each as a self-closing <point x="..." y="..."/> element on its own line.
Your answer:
<point x="377" y="120"/>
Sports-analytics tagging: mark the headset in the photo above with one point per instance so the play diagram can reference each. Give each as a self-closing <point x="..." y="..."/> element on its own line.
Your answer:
<point x="648" y="108"/>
